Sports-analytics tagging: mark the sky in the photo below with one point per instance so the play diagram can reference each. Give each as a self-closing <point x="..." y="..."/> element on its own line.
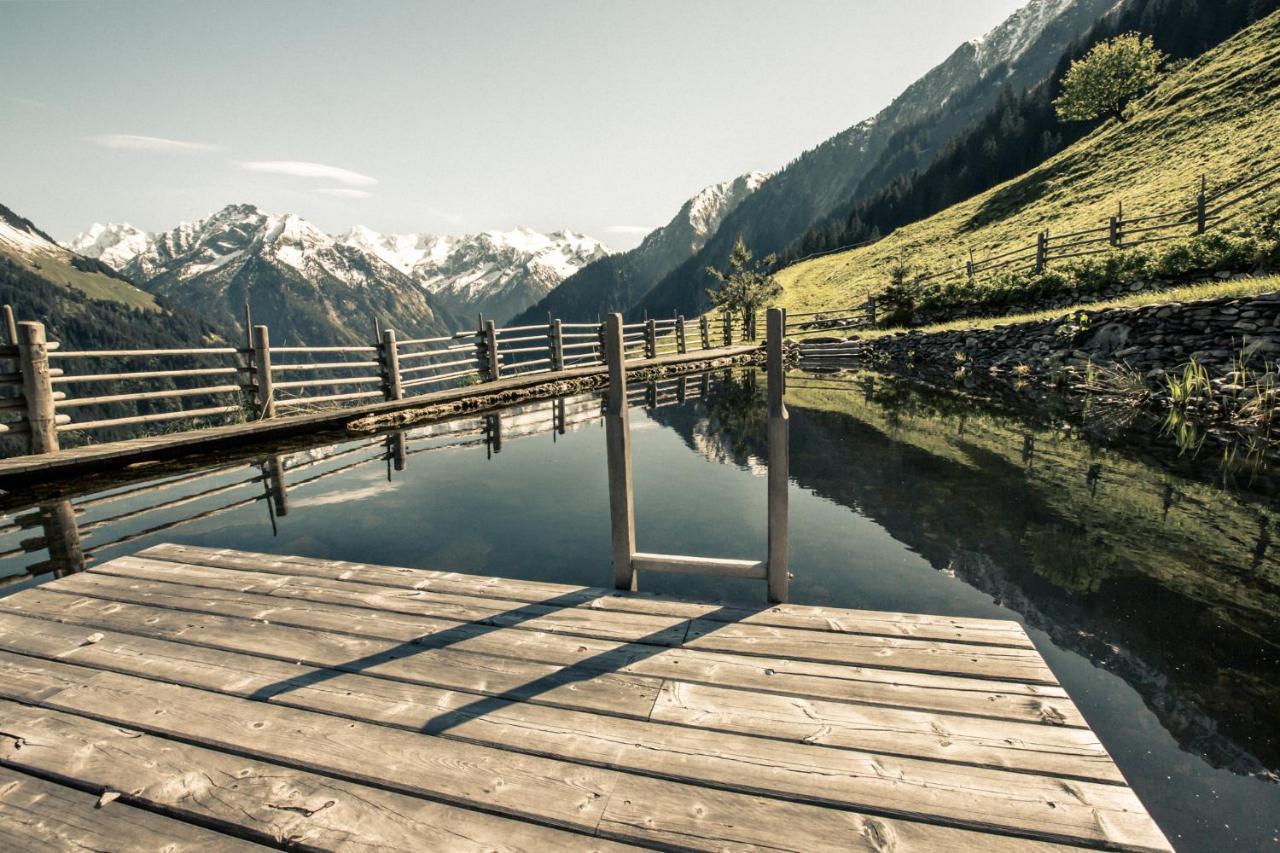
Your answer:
<point x="601" y="116"/>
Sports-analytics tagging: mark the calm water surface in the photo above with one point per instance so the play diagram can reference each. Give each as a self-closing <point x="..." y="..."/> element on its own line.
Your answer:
<point x="1152" y="594"/>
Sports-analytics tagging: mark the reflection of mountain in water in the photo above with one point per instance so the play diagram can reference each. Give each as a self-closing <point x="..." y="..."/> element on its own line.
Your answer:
<point x="1171" y="584"/>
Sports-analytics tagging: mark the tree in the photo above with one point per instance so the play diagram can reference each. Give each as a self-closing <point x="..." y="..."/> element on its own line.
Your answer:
<point x="1104" y="81"/>
<point x="746" y="286"/>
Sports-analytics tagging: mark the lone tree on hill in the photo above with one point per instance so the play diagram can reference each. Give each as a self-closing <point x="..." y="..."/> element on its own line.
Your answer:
<point x="1108" y="77"/>
<point x="746" y="286"/>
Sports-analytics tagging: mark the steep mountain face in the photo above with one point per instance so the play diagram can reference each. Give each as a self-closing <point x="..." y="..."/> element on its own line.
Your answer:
<point x="82" y="301"/>
<point x="618" y="281"/>
<point x="906" y="135"/>
<point x="113" y="244"/>
<point x="306" y="286"/>
<point x="495" y="273"/>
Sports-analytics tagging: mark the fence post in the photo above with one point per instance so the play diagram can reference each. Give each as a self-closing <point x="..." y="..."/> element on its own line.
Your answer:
<point x="62" y="537"/>
<point x="555" y="340"/>
<point x="622" y="514"/>
<point x="37" y="388"/>
<point x="489" y="345"/>
<point x="871" y="310"/>
<point x="277" y="485"/>
<point x="682" y="346"/>
<point x="779" y="456"/>
<point x="704" y="331"/>
<point x="650" y="339"/>
<point x="262" y="372"/>
<point x="1114" y="232"/>
<point x="1202" y="211"/>
<point x="391" y="388"/>
<point x="1042" y="250"/>
<point x="969" y="266"/>
<point x="728" y="329"/>
<point x="11" y="327"/>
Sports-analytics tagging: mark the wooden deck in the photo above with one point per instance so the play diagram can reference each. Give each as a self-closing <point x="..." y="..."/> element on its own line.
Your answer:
<point x="215" y="699"/>
<point x="17" y="472"/>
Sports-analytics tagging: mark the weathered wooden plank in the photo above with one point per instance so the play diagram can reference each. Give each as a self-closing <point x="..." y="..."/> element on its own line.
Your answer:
<point x="955" y="629"/>
<point x="654" y="630"/>
<point x="996" y="662"/>
<point x="989" y="800"/>
<point x="317" y="636"/>
<point x="1033" y="747"/>
<point x="648" y="747"/>
<point x="708" y="819"/>
<point x="36" y="815"/>
<point x="268" y="802"/>
<point x="615" y="694"/>
<point x="542" y="790"/>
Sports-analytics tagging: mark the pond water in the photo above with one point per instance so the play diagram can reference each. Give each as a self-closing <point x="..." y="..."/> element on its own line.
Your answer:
<point x="1150" y="588"/>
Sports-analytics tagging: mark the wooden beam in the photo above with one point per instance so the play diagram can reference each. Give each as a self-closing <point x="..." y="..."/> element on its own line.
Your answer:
<point x="779" y="458"/>
<point x="622" y="515"/>
<point x="679" y="564"/>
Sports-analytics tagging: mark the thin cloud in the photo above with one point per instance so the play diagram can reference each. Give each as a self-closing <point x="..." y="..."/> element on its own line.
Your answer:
<point x="133" y="142"/>
<point x="629" y="229"/>
<point x="302" y="169"/>
<point x="344" y="192"/>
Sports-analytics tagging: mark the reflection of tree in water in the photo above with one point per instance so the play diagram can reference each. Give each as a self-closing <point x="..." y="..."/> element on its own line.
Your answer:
<point x="740" y="413"/>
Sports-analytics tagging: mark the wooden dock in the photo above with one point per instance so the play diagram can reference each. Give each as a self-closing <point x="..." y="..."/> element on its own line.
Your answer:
<point x="187" y="698"/>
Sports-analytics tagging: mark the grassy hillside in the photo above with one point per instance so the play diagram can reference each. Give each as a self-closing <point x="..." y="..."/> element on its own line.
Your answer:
<point x="1218" y="115"/>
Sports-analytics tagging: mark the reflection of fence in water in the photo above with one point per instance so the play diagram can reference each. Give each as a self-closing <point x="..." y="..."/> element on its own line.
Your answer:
<point x="63" y="530"/>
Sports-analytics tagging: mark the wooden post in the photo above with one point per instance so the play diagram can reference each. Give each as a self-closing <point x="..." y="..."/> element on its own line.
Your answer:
<point x="10" y="325"/>
<point x="750" y="332"/>
<point x="650" y="339"/>
<point x="62" y="537"/>
<point x="1114" y="229"/>
<point x="871" y="310"/>
<point x="1042" y="250"/>
<point x="1118" y="226"/>
<point x="1202" y="211"/>
<point x="622" y="515"/>
<point x="262" y="372"/>
<point x="779" y="456"/>
<point x="968" y="267"/>
<point x="493" y="363"/>
<point x="37" y="388"/>
<point x="391" y="388"/>
<point x="398" y="447"/>
<point x="276" y="481"/>
<point x="555" y="340"/>
<point x="704" y="331"/>
<point x="682" y="346"/>
<point x="728" y="329"/>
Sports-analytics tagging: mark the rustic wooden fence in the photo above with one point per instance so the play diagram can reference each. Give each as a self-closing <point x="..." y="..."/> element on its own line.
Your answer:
<point x="52" y="392"/>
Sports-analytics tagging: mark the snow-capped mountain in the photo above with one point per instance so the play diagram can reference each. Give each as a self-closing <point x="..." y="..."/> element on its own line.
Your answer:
<point x="113" y="244"/>
<point x="305" y="285"/>
<point x="495" y="273"/>
<point x="616" y="282"/>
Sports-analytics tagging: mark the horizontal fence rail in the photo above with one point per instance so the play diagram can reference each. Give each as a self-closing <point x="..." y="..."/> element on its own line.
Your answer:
<point x="46" y="392"/>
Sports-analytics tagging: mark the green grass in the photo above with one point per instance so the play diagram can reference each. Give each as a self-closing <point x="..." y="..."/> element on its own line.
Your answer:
<point x="1212" y="290"/>
<point x="1218" y="116"/>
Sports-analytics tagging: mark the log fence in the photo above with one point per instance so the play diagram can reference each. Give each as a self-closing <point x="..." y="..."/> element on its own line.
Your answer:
<point x="46" y="392"/>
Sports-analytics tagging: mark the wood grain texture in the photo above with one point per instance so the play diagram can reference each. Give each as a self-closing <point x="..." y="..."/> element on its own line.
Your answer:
<point x="267" y="802"/>
<point x="37" y="815"/>
<point x="955" y="629"/>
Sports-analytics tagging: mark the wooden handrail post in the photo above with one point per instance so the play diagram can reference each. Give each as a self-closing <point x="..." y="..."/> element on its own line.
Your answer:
<point x="493" y="363"/>
<point x="277" y="485"/>
<point x="704" y="331"/>
<point x="262" y="372"/>
<point x="62" y="537"/>
<point x="10" y="325"/>
<point x="1042" y="251"/>
<point x="681" y="344"/>
<point x="37" y="388"/>
<point x="779" y="457"/>
<point x="650" y="339"/>
<point x="398" y="448"/>
<point x="622" y="515"/>
<point x="391" y="388"/>
<point x="555" y="341"/>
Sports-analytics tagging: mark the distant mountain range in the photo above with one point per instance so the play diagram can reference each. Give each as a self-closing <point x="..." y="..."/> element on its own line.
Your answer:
<point x="616" y="282"/>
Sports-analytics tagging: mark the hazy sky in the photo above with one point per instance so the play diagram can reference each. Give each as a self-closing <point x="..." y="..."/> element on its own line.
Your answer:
<point x="450" y="117"/>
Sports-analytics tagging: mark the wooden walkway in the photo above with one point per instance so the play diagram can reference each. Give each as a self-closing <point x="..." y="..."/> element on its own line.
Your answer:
<point x="189" y="698"/>
<point x="17" y="472"/>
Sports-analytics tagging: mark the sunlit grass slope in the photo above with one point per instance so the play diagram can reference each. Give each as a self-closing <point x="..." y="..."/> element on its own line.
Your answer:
<point x="1218" y="115"/>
